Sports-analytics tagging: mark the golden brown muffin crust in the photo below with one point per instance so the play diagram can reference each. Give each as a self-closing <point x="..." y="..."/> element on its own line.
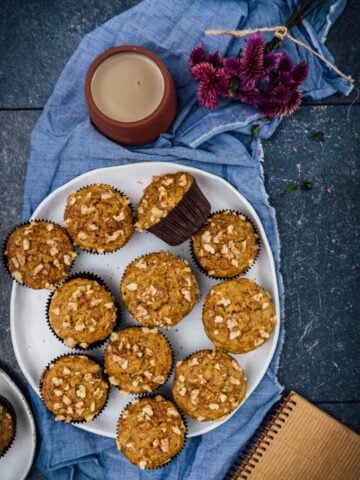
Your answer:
<point x="160" y="197"/>
<point x="7" y="428"/>
<point x="99" y="218"/>
<point x="82" y="312"/>
<point x="226" y="245"/>
<point x="73" y="388"/>
<point x="238" y="315"/>
<point x="39" y="254"/>
<point x="159" y="289"/>
<point x="138" y="360"/>
<point x="209" y="385"/>
<point x="151" y="432"/>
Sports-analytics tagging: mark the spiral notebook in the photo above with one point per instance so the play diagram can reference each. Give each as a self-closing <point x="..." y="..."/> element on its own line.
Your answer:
<point x="300" y="442"/>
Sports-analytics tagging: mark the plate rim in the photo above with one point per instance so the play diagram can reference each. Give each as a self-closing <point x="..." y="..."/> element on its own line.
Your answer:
<point x="154" y="165"/>
<point x="25" y="405"/>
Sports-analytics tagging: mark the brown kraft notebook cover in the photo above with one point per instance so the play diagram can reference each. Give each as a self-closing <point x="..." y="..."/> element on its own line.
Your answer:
<point x="300" y="442"/>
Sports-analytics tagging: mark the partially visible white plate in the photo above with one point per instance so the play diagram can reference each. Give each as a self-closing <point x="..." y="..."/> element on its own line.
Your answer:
<point x="16" y="463"/>
<point x="35" y="346"/>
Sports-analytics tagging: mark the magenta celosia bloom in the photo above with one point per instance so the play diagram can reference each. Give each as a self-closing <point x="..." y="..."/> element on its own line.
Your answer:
<point x="269" y="81"/>
<point x="213" y="83"/>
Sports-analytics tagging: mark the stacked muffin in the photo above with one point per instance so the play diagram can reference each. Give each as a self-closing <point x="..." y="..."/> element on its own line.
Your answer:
<point x="159" y="290"/>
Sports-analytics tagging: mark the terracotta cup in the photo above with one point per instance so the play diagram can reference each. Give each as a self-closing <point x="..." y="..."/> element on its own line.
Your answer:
<point x="142" y="131"/>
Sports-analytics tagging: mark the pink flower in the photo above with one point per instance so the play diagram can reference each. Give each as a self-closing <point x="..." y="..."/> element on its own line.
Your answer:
<point x="198" y="55"/>
<point x="213" y="84"/>
<point x="269" y="81"/>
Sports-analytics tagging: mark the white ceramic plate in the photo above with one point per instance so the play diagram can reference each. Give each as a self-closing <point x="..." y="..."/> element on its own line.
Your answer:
<point x="16" y="463"/>
<point x="35" y="345"/>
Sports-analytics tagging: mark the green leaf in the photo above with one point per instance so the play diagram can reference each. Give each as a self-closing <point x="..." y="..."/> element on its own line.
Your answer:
<point x="265" y="119"/>
<point x="234" y="85"/>
<point x="255" y="130"/>
<point x="307" y="184"/>
<point x="291" y="187"/>
<point x="318" y="136"/>
<point x="239" y="53"/>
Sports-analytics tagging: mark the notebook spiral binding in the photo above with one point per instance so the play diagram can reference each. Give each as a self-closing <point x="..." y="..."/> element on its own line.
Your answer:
<point x="251" y="454"/>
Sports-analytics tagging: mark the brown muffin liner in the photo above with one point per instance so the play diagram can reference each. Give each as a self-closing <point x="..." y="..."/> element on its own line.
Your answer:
<point x="75" y="422"/>
<point x="88" y="276"/>
<point x="139" y="258"/>
<point x="187" y="358"/>
<point x="4" y="259"/>
<point x="244" y="272"/>
<point x="90" y="250"/>
<point x="140" y="394"/>
<point x="184" y="219"/>
<point x="5" y="403"/>
<point x="166" y="397"/>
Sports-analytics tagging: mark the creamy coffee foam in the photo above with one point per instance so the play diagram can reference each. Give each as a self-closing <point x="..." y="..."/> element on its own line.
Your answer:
<point x="127" y="87"/>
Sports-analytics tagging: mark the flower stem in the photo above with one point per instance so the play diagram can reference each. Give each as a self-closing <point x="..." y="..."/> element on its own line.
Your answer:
<point x="304" y="10"/>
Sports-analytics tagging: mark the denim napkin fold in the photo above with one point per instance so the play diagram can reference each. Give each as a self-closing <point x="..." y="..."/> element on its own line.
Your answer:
<point x="64" y="145"/>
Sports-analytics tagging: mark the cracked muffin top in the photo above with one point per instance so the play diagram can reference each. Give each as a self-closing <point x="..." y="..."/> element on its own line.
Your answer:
<point x="159" y="289"/>
<point x="151" y="432"/>
<point x="99" y="218"/>
<point x="238" y="315"/>
<point x="227" y="245"/>
<point x="82" y="312"/>
<point x="73" y="388"/>
<point x="39" y="254"/>
<point x="208" y="385"/>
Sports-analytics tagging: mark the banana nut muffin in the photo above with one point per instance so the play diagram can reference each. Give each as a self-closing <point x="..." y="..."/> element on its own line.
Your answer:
<point x="151" y="432"/>
<point x="99" y="218"/>
<point x="160" y="197"/>
<point x="172" y="207"/>
<point x="227" y="245"/>
<point x="7" y="425"/>
<point x="82" y="312"/>
<point x="138" y="359"/>
<point x="159" y="289"/>
<point x="73" y="388"/>
<point x="39" y="254"/>
<point x="208" y="385"/>
<point x="238" y="315"/>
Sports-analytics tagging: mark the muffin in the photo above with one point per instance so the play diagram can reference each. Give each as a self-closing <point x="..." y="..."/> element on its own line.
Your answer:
<point x="238" y="315"/>
<point x="172" y="207"/>
<point x="226" y="246"/>
<point x="208" y="385"/>
<point x="73" y="388"/>
<point x="7" y="425"/>
<point x="159" y="289"/>
<point x="151" y="432"/>
<point x="39" y="254"/>
<point x="82" y="312"/>
<point x="99" y="218"/>
<point x="138" y="359"/>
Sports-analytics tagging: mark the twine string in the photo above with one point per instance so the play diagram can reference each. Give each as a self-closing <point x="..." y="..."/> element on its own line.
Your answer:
<point x="281" y="32"/>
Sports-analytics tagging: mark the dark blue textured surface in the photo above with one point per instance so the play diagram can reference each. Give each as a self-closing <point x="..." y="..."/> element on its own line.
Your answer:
<point x="319" y="230"/>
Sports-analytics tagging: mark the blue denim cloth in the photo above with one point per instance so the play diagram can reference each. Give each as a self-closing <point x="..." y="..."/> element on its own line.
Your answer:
<point x="64" y="145"/>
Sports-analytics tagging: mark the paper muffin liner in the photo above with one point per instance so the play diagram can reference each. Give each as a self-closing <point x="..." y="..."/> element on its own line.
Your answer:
<point x="214" y="349"/>
<point x="244" y="272"/>
<point x="185" y="218"/>
<point x="5" y="403"/>
<point x="88" y="276"/>
<point x="75" y="422"/>
<point x="165" y="397"/>
<point x="90" y="250"/>
<point x="136" y="259"/>
<point x="4" y="259"/>
<point x="145" y="393"/>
